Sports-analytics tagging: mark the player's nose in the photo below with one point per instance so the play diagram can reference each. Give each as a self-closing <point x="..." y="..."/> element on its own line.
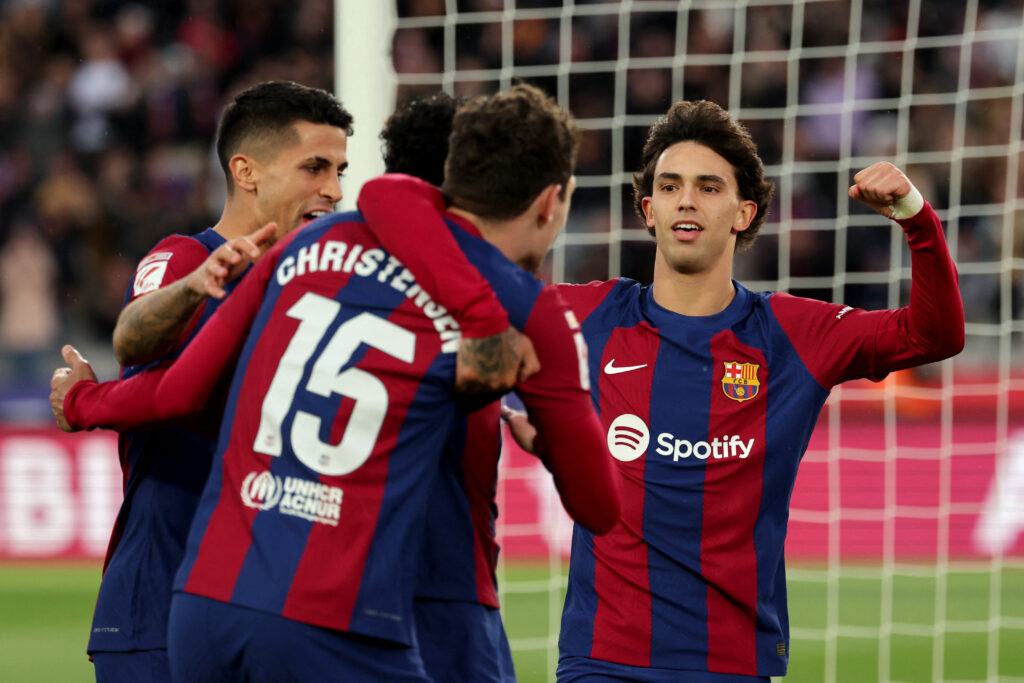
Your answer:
<point x="331" y="190"/>
<point x="686" y="199"/>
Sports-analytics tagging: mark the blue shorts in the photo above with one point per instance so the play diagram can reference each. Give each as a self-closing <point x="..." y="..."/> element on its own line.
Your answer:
<point x="587" y="670"/>
<point x="129" y="667"/>
<point x="463" y="641"/>
<point x="214" y="641"/>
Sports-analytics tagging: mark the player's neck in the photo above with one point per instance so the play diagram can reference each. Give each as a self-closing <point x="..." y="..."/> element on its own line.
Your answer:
<point x="236" y="220"/>
<point x="698" y="294"/>
<point x="507" y="236"/>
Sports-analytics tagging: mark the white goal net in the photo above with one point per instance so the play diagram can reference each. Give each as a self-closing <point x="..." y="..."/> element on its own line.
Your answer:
<point x="906" y="544"/>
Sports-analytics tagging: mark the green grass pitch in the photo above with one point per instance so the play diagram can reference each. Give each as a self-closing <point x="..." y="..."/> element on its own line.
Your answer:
<point x="45" y="611"/>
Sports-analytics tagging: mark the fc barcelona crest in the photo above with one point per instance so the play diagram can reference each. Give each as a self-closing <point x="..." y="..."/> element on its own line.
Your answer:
<point x="740" y="381"/>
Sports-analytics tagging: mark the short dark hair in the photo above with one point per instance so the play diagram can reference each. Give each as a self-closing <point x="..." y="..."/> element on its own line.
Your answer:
<point x="707" y="124"/>
<point x="415" y="137"/>
<point x="506" y="148"/>
<point x="263" y="114"/>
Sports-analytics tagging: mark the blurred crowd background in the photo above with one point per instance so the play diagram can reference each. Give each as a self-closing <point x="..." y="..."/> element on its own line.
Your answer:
<point x="107" y="115"/>
<point x="108" y="111"/>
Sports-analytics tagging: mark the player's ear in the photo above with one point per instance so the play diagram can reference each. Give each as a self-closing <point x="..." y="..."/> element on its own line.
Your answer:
<point x="546" y="203"/>
<point x="744" y="215"/>
<point x="244" y="171"/>
<point x="645" y="204"/>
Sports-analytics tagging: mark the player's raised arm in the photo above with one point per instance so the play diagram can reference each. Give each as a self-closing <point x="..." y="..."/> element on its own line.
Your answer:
<point x="403" y="210"/>
<point x="885" y="189"/>
<point x="839" y="343"/>
<point x="931" y="327"/>
<point x="153" y="323"/>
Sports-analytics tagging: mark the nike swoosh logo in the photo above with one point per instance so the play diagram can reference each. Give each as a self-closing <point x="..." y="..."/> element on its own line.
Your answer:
<point x="610" y="369"/>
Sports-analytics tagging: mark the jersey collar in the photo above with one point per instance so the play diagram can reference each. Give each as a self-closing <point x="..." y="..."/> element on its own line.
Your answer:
<point x="662" y="317"/>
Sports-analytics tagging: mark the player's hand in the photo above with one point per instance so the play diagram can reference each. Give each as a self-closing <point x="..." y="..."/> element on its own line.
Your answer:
<point x="888" y="192"/>
<point x="65" y="378"/>
<point x="519" y="426"/>
<point x="492" y="365"/>
<point x="228" y="261"/>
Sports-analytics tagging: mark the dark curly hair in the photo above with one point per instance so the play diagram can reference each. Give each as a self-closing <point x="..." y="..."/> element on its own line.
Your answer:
<point x="415" y="136"/>
<point x="707" y="124"/>
<point x="261" y="116"/>
<point x="506" y="148"/>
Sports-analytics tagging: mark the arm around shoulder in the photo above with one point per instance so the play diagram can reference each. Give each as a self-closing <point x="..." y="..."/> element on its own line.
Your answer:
<point x="406" y="215"/>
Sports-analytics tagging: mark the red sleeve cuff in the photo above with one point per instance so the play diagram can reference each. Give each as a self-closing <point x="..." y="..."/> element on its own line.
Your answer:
<point x="122" y="405"/>
<point x="70" y="403"/>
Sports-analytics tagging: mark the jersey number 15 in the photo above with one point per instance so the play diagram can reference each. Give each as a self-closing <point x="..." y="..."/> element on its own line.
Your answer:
<point x="316" y="314"/>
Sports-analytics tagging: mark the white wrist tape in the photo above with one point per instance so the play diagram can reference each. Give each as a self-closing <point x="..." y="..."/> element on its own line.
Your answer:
<point x="907" y="206"/>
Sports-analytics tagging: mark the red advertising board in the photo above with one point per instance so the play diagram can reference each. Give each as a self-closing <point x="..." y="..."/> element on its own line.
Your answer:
<point x="912" y="490"/>
<point x="59" y="493"/>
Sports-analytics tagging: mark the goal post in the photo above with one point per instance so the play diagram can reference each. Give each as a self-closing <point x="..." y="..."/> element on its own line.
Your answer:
<point x="906" y="536"/>
<point x="364" y="81"/>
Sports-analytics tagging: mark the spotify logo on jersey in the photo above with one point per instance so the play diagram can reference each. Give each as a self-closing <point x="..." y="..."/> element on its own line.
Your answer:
<point x="628" y="437"/>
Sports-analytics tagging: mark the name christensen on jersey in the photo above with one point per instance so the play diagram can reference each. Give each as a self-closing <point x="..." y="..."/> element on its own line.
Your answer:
<point x="337" y="257"/>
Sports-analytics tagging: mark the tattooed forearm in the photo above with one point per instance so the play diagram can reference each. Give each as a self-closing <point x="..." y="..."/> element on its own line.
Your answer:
<point x="487" y="364"/>
<point x="149" y="326"/>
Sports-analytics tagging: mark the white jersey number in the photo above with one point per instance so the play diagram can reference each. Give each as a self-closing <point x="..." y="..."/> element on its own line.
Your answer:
<point x="315" y="315"/>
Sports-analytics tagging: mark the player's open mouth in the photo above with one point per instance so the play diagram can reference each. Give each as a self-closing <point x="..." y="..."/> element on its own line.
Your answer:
<point x="687" y="227"/>
<point x="312" y="216"/>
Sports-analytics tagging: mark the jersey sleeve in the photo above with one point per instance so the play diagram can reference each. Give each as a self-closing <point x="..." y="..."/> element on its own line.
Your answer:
<point x="557" y="399"/>
<point x="405" y="215"/>
<point x="208" y="360"/>
<point x="123" y="404"/>
<point x="584" y="299"/>
<point x="172" y="391"/>
<point x="126" y="405"/>
<point x="170" y="260"/>
<point x="839" y="343"/>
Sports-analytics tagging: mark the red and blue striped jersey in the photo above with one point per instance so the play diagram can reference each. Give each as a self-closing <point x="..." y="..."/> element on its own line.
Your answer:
<point x="459" y="547"/>
<point x="460" y="551"/>
<point x="708" y="419"/>
<point x="335" y="419"/>
<point x="163" y="473"/>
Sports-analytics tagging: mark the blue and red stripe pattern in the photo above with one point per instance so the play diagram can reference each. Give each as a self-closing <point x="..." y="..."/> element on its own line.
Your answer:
<point x="720" y="410"/>
<point x="459" y="552"/>
<point x="163" y="472"/>
<point x="689" y="579"/>
<point x="315" y="516"/>
<point x="459" y="546"/>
